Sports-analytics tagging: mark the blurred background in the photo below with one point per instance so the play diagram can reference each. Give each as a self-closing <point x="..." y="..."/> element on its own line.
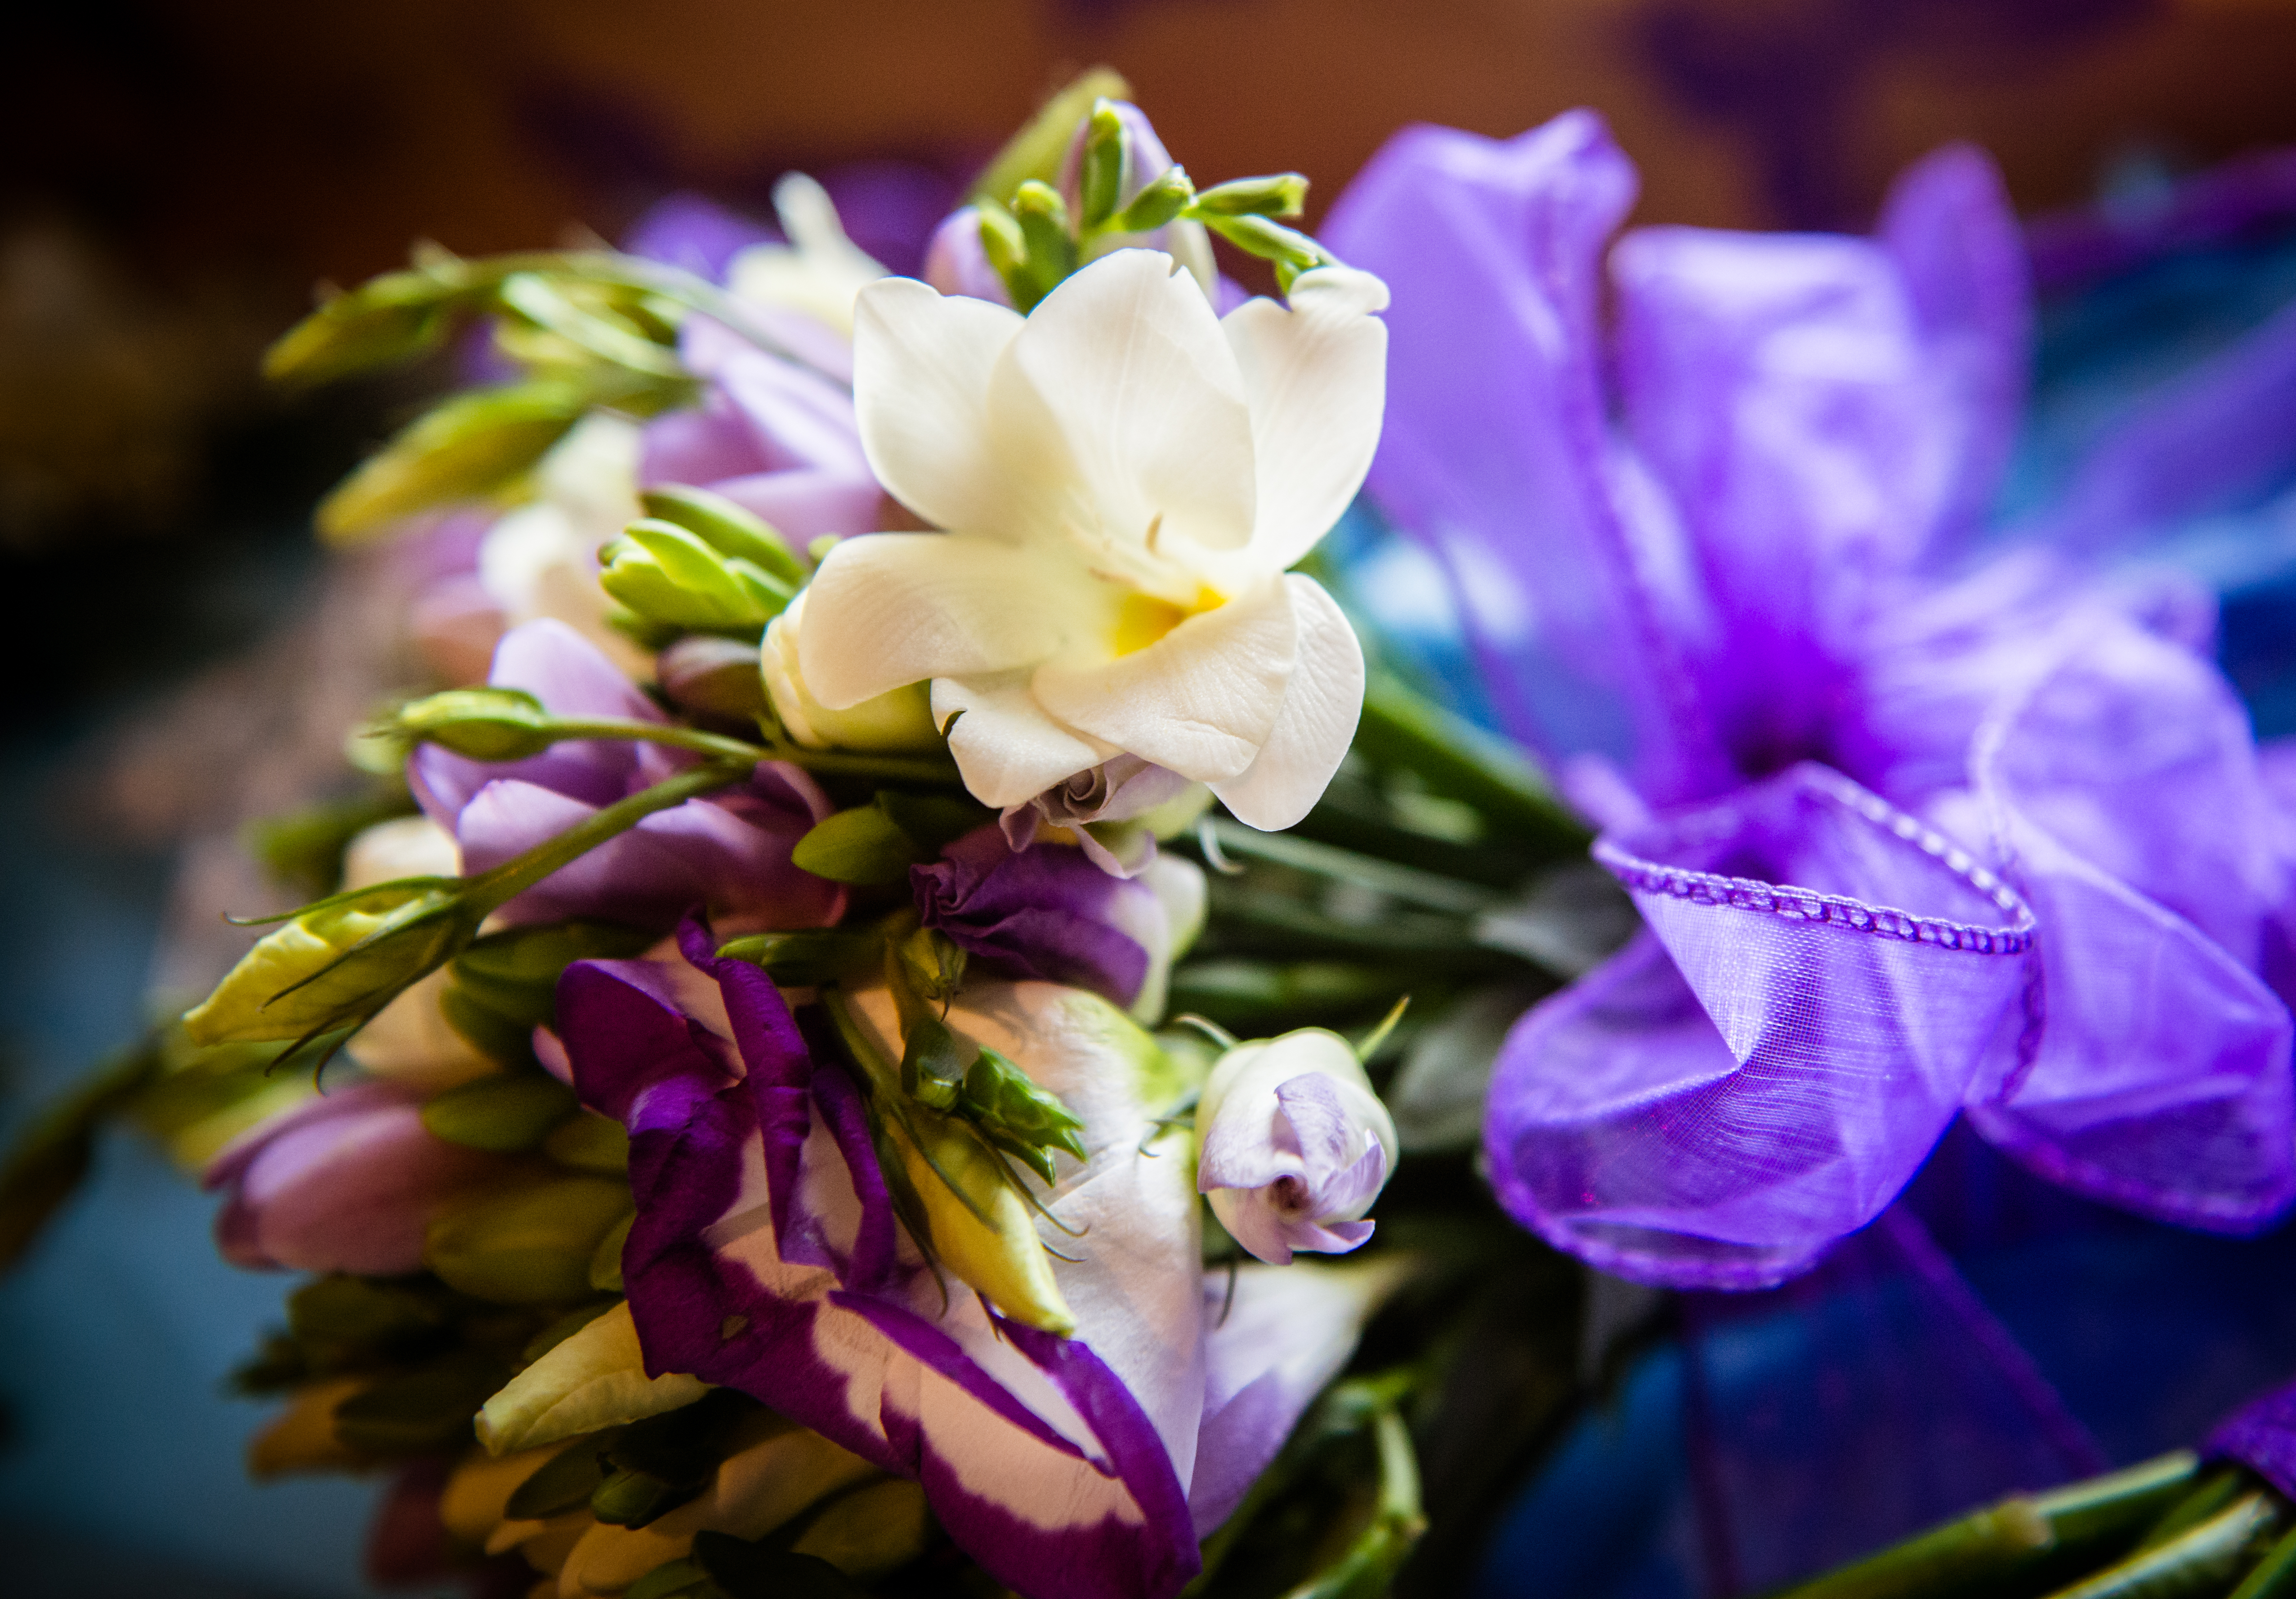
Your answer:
<point x="179" y="177"/>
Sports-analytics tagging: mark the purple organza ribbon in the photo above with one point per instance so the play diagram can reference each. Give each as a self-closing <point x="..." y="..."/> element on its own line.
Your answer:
<point x="1994" y="843"/>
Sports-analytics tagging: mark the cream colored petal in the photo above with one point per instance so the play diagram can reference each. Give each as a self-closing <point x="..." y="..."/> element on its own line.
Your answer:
<point x="1123" y="385"/>
<point x="891" y="609"/>
<point x="1316" y="377"/>
<point x="922" y="363"/>
<point x="1009" y="748"/>
<point x="1317" y="722"/>
<point x="594" y="1379"/>
<point x="1201" y="699"/>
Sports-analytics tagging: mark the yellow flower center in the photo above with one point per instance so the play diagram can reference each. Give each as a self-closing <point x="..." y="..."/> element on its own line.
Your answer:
<point x="1141" y="620"/>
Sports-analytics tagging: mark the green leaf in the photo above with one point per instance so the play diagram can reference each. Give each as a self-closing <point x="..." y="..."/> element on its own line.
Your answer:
<point x="935" y="821"/>
<point x="863" y="846"/>
<point x="606" y="1259"/>
<point x="502" y="1114"/>
<point x="467" y="447"/>
<point x="363" y="1313"/>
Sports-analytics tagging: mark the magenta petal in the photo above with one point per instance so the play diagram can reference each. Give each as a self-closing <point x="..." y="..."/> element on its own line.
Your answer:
<point x="1042" y="911"/>
<point x="1763" y="1069"/>
<point x="1055" y="1482"/>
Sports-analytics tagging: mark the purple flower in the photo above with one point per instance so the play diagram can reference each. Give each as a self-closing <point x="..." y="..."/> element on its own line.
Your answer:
<point x="1046" y="912"/>
<point x="766" y="1256"/>
<point x="1905" y="846"/>
<point x="1123" y="787"/>
<point x="1293" y="1145"/>
<point x="729" y="851"/>
<point x="346" y="1181"/>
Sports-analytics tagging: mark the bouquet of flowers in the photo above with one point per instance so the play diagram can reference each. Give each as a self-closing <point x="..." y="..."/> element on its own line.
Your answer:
<point x="826" y="1032"/>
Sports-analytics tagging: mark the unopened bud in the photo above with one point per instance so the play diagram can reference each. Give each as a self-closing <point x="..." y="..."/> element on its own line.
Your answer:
<point x="529" y="1246"/>
<point x="806" y="958"/>
<point x="713" y="675"/>
<point x="503" y="1114"/>
<point x="384" y="321"/>
<point x="670" y="575"/>
<point x="729" y="529"/>
<point x="484" y="723"/>
<point x="1017" y="1115"/>
<point x="1280" y="194"/>
<point x="470" y="447"/>
<point x="1101" y="180"/>
<point x="1158" y="203"/>
<point x="337" y="962"/>
<point x="1270" y="241"/>
<point x="594" y="1379"/>
<point x="1043" y="221"/>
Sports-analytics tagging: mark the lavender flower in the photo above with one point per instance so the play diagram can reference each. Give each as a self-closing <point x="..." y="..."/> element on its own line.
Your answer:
<point x="1905" y="847"/>
<point x="1048" y="911"/>
<point x="1293" y="1145"/>
<point x="730" y="851"/>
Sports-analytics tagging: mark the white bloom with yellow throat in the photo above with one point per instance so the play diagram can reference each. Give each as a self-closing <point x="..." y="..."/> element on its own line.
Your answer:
<point x="1124" y="477"/>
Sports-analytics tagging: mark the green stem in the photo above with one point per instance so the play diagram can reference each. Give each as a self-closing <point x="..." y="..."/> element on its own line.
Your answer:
<point x="715" y="745"/>
<point x="1407" y="883"/>
<point x="1464" y="762"/>
<point x="492" y="890"/>
<point x="2197" y="1561"/>
<point x="686" y="289"/>
<point x="2274" y="1576"/>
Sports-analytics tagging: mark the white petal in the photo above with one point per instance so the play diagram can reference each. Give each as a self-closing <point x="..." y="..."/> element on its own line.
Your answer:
<point x="889" y="609"/>
<point x="1009" y="748"/>
<point x="922" y="363"/>
<point x="1201" y="699"/>
<point x="1316" y="377"/>
<point x="1316" y="723"/>
<point x="1122" y="383"/>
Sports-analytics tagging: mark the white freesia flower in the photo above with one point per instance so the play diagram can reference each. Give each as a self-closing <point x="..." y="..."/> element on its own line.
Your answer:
<point x="1292" y="1145"/>
<point x="1125" y="478"/>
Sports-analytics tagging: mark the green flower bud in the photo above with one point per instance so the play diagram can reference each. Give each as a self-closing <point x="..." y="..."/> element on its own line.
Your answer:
<point x="589" y="1142"/>
<point x="1018" y="1116"/>
<point x="338" y="962"/>
<point x="1279" y="195"/>
<point x="503" y="1114"/>
<point x="1269" y="240"/>
<point x="728" y="528"/>
<point x="974" y="1220"/>
<point x="713" y="676"/>
<point x="468" y="447"/>
<point x="869" y="1532"/>
<point x="484" y="723"/>
<point x="1102" y="178"/>
<point x="529" y="1245"/>
<point x="384" y="321"/>
<point x="667" y="574"/>
<point x="593" y="330"/>
<point x="1006" y="248"/>
<point x="1043" y="219"/>
<point x="933" y="1061"/>
<point x="863" y="845"/>
<point x="1158" y="204"/>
